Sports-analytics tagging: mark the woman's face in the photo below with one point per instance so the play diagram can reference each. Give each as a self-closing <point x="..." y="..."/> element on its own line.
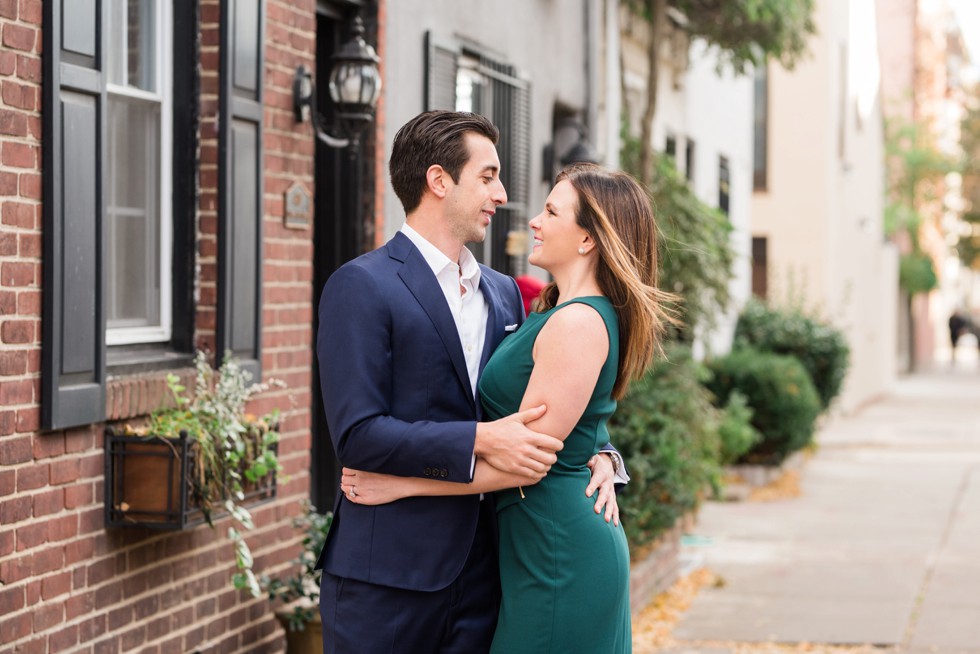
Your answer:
<point x="557" y="236"/>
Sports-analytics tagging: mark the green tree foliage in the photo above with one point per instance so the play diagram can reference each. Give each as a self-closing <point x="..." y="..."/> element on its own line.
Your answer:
<point x="696" y="257"/>
<point x="968" y="246"/>
<point x="746" y="32"/>
<point x="749" y="32"/>
<point x="916" y="169"/>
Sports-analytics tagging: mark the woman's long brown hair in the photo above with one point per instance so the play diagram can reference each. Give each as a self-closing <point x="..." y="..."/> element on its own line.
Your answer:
<point x="616" y="212"/>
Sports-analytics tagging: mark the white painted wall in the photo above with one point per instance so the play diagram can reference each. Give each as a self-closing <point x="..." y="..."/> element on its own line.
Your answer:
<point x="544" y="39"/>
<point x="823" y="210"/>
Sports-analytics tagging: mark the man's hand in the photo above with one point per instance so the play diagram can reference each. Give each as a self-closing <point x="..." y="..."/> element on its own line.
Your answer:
<point x="603" y="477"/>
<point x="508" y="445"/>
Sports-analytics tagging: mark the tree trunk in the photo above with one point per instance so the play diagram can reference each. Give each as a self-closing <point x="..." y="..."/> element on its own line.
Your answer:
<point x="657" y="10"/>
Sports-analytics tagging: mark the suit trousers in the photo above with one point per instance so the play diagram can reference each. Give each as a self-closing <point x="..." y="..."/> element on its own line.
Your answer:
<point x="364" y="618"/>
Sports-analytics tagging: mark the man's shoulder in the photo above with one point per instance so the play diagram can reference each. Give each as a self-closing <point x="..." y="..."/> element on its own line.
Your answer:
<point x="496" y="277"/>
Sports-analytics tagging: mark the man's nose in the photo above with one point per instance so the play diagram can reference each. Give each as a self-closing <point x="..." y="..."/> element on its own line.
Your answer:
<point x="500" y="194"/>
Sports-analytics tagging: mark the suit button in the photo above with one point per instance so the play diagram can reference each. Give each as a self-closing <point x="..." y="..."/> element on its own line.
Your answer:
<point x="444" y="473"/>
<point x="428" y="472"/>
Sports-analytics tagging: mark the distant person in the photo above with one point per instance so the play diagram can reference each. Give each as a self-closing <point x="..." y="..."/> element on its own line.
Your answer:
<point x="957" y="326"/>
<point x="564" y="571"/>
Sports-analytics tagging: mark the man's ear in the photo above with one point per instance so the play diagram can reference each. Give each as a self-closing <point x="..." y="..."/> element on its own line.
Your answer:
<point x="437" y="179"/>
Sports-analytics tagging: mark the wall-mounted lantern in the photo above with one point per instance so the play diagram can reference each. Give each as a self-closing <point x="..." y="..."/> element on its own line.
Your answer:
<point x="355" y="86"/>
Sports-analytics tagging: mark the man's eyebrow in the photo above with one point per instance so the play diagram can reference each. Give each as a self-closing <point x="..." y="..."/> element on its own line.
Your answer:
<point x="490" y="168"/>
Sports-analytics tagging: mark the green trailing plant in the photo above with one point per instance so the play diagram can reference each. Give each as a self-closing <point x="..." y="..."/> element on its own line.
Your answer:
<point x="820" y="347"/>
<point x="301" y="591"/>
<point x="667" y="431"/>
<point x="784" y="401"/>
<point x="233" y="450"/>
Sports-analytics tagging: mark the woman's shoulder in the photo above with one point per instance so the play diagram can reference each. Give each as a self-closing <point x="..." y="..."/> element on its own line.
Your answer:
<point x="579" y="320"/>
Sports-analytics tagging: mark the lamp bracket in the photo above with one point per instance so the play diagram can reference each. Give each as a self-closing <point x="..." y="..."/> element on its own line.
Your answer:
<point x="304" y="103"/>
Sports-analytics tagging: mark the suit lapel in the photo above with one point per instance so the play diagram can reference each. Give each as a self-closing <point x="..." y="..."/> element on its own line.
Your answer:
<point x="418" y="277"/>
<point x="495" y="319"/>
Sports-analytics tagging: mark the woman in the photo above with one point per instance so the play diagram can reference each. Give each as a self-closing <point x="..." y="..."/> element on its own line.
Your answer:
<point x="564" y="570"/>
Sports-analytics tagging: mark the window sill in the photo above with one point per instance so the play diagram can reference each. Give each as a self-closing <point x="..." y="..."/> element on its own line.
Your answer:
<point x="126" y="360"/>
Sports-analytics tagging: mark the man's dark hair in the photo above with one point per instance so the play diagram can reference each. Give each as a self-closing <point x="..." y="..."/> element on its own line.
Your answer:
<point x="432" y="138"/>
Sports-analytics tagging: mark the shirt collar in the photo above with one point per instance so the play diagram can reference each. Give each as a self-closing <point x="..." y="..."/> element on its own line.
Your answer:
<point x="469" y="268"/>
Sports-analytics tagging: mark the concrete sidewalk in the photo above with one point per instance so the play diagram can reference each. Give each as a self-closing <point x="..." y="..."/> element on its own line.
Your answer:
<point x="881" y="548"/>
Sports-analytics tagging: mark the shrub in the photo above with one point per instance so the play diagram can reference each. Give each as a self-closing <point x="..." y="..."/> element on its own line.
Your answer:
<point x="821" y="348"/>
<point x="736" y="433"/>
<point x="667" y="431"/>
<point x="784" y="402"/>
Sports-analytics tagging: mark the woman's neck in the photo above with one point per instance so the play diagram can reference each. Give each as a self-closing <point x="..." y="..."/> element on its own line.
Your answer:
<point x="580" y="282"/>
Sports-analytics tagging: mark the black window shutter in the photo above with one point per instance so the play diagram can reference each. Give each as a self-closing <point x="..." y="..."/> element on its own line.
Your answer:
<point x="511" y="112"/>
<point x="73" y="346"/>
<point x="441" y="62"/>
<point x="239" y="317"/>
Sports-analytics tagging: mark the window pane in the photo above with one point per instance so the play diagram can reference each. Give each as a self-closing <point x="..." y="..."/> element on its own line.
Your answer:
<point x="133" y="229"/>
<point x="469" y="89"/>
<point x="132" y="44"/>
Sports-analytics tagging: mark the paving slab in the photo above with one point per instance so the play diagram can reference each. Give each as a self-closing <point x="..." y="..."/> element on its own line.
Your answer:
<point x="950" y="626"/>
<point x="758" y="618"/>
<point x="882" y="547"/>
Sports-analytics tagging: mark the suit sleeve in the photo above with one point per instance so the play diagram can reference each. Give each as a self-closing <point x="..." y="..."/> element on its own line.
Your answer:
<point x="357" y="380"/>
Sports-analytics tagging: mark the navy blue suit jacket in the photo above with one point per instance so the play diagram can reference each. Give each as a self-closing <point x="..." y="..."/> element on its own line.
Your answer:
<point x="398" y="400"/>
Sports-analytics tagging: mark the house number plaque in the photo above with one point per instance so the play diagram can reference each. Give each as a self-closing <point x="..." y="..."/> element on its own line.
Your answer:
<point x="298" y="207"/>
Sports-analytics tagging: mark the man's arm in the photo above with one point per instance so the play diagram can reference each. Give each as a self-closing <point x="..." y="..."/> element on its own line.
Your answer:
<point x="354" y="349"/>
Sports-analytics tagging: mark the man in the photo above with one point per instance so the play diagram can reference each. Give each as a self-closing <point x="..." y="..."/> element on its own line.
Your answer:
<point x="404" y="333"/>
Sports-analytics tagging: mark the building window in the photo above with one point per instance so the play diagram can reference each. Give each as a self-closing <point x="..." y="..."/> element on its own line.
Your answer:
<point x="689" y="160"/>
<point x="724" y="184"/>
<point x="465" y="78"/>
<point x="760" y="130"/>
<point x="138" y="233"/>
<point x="670" y="149"/>
<point x="760" y="270"/>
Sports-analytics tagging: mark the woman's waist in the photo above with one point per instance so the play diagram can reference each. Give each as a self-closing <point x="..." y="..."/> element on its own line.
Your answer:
<point x="556" y="490"/>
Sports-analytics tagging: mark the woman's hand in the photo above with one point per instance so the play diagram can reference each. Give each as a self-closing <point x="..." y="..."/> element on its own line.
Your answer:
<point x="371" y="488"/>
<point x="603" y="478"/>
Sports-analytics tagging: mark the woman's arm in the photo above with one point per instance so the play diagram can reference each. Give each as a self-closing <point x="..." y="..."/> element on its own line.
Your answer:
<point x="373" y="488"/>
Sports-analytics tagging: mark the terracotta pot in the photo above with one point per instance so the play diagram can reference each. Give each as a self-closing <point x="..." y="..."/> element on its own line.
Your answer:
<point x="307" y="641"/>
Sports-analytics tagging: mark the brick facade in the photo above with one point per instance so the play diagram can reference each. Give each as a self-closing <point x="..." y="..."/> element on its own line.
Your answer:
<point x="66" y="582"/>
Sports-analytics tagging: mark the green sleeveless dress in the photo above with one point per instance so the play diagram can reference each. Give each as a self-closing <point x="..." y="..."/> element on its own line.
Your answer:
<point x="564" y="570"/>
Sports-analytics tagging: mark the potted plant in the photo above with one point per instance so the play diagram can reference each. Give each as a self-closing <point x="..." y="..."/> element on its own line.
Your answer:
<point x="300" y="593"/>
<point x="197" y="460"/>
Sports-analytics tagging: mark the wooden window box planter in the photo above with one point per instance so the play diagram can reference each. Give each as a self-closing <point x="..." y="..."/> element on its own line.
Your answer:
<point x="149" y="482"/>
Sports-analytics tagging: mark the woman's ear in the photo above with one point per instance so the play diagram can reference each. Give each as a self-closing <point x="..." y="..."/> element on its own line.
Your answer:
<point x="435" y="179"/>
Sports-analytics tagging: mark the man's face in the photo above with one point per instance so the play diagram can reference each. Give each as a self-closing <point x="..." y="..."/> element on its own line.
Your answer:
<point x="472" y="202"/>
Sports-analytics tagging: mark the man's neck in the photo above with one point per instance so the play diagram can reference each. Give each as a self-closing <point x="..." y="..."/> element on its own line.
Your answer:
<point x="437" y="236"/>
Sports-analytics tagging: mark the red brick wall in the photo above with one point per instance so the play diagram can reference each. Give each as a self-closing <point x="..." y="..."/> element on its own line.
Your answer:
<point x="66" y="582"/>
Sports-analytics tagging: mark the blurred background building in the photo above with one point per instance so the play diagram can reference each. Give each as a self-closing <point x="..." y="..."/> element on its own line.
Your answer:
<point x="177" y="176"/>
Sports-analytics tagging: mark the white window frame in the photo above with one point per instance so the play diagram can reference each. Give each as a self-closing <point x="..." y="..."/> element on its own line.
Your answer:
<point x="161" y="97"/>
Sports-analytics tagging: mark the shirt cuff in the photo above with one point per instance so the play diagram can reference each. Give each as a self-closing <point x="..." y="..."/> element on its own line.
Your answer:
<point x="620" y="476"/>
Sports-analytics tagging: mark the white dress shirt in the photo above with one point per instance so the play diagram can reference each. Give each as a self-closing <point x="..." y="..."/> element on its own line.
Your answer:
<point x="460" y="283"/>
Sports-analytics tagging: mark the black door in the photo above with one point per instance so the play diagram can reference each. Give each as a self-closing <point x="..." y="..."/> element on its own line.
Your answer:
<point x="339" y="235"/>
